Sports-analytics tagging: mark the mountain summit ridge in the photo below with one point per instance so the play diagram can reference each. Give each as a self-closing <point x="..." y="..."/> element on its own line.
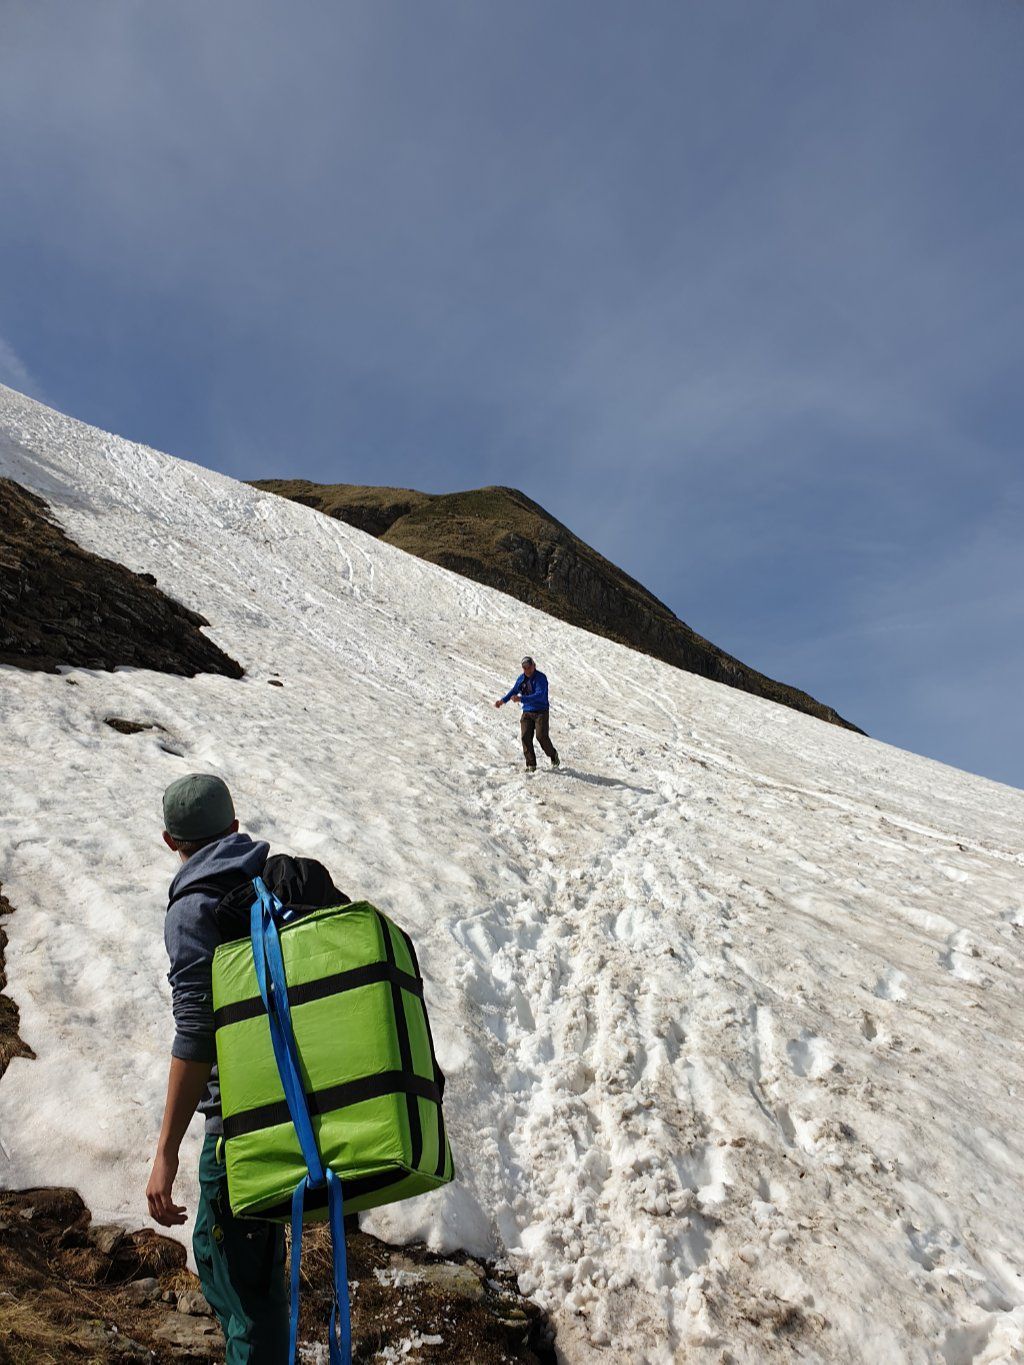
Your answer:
<point x="501" y="537"/>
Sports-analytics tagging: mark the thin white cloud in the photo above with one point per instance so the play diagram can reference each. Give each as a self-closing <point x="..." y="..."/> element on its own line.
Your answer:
<point x="15" y="373"/>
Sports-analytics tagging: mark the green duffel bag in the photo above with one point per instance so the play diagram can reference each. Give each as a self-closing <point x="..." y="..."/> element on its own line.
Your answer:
<point x="366" y="1059"/>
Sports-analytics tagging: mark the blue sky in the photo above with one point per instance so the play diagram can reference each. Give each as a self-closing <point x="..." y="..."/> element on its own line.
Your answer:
<point x="733" y="289"/>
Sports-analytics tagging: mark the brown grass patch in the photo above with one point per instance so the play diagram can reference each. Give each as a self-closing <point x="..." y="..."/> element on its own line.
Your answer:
<point x="31" y="1331"/>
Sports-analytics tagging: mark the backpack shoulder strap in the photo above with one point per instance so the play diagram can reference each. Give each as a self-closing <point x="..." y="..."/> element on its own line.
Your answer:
<point x="216" y="887"/>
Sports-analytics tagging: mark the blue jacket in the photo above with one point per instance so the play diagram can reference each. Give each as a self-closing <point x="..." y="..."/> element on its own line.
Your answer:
<point x="534" y="691"/>
<point x="190" y="936"/>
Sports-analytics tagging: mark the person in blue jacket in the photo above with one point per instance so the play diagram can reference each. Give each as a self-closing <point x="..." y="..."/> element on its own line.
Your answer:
<point x="531" y="692"/>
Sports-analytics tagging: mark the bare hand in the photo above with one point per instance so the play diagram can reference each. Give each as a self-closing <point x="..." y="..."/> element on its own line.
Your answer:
<point x="158" y="1192"/>
<point x="499" y="703"/>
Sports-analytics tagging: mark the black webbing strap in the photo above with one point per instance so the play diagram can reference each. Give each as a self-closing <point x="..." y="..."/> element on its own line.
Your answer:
<point x="369" y="974"/>
<point x="354" y="1188"/>
<point x="404" y="1049"/>
<point x="332" y="1098"/>
<point x="442" y="1144"/>
<point x="214" y="886"/>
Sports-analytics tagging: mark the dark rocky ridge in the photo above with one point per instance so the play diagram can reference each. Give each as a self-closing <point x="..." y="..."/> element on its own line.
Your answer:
<point x="501" y="538"/>
<point x="60" y="604"/>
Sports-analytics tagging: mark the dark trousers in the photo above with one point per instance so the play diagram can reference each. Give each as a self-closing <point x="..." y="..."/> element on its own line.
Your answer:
<point x="536" y="722"/>
<point x="241" y="1268"/>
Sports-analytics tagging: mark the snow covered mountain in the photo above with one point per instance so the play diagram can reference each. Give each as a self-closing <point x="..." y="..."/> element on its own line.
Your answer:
<point x="501" y="538"/>
<point x="729" y="1005"/>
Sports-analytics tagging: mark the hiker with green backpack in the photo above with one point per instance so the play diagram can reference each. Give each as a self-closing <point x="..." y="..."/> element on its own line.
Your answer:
<point x="273" y="972"/>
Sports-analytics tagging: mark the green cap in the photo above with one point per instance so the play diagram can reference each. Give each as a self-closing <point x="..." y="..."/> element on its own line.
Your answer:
<point x="196" y="806"/>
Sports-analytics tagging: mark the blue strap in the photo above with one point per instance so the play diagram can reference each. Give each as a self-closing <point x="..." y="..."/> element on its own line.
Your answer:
<point x="269" y="962"/>
<point x="341" y="1322"/>
<point x="298" y="1200"/>
<point x="266" y="945"/>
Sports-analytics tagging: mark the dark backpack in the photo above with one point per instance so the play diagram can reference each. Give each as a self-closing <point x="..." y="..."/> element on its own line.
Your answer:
<point x="302" y="884"/>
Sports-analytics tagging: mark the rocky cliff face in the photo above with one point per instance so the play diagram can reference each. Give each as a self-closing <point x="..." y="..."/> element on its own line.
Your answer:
<point x="59" y="604"/>
<point x="500" y="537"/>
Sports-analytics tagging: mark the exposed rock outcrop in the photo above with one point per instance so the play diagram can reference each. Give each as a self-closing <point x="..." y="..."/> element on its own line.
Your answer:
<point x="60" y="604"/>
<point x="11" y="1043"/>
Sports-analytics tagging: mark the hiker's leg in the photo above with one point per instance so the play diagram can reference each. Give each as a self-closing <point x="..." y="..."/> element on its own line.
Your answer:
<point x="526" y="724"/>
<point x="241" y="1268"/>
<point x="542" y="737"/>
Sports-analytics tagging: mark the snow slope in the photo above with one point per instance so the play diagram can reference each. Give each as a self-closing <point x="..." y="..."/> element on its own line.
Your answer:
<point x="729" y="1006"/>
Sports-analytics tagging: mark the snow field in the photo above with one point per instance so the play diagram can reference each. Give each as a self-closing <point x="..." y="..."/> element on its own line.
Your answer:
<point x="729" y="1005"/>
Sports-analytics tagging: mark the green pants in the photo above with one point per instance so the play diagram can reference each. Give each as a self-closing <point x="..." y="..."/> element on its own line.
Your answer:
<point x="241" y="1268"/>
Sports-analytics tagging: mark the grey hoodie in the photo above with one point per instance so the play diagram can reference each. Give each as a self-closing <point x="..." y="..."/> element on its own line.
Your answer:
<point x="190" y="934"/>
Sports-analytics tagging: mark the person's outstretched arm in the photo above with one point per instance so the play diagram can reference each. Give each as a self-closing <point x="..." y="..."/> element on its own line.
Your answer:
<point x="509" y="695"/>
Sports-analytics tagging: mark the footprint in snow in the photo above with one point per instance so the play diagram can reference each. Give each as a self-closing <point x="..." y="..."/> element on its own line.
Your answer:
<point x="891" y="985"/>
<point x="810" y="1056"/>
<point x="481" y="936"/>
<point x="868" y="1027"/>
<point x="954" y="874"/>
<point x="961" y="959"/>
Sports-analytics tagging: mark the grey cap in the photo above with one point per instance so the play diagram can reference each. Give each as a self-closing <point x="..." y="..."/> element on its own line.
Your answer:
<point x="526" y="660"/>
<point x="196" y="806"/>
